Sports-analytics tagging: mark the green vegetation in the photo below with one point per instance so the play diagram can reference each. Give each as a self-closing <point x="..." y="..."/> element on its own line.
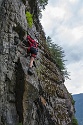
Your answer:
<point x="36" y="7"/>
<point x="73" y="102"/>
<point x="43" y="3"/>
<point x="29" y="18"/>
<point x="57" y="55"/>
<point x="74" y="121"/>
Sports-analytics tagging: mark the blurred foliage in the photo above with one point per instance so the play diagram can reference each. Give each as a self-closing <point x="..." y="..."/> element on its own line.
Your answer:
<point x="43" y="3"/>
<point x="29" y="18"/>
<point x="57" y="54"/>
<point x="74" y="121"/>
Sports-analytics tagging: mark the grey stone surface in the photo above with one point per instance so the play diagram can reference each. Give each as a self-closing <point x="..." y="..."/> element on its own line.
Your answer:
<point x="41" y="99"/>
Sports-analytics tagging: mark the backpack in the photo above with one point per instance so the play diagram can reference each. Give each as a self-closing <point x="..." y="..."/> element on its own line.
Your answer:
<point x="32" y="42"/>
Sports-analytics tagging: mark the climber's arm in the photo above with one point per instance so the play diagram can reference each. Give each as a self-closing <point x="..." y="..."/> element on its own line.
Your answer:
<point x="30" y="39"/>
<point x="23" y="46"/>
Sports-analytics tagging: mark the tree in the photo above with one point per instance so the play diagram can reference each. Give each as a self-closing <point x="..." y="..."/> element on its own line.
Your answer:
<point x="57" y="55"/>
<point x="43" y="3"/>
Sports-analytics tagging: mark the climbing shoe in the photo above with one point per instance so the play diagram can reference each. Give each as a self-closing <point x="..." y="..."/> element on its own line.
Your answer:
<point x="30" y="71"/>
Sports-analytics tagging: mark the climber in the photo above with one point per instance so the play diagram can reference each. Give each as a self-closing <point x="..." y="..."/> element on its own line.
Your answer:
<point x="31" y="46"/>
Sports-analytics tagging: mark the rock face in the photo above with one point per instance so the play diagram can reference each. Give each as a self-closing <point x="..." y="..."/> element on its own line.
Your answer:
<point x="41" y="99"/>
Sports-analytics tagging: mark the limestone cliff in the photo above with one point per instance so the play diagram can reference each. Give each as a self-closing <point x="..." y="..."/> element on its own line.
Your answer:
<point x="41" y="99"/>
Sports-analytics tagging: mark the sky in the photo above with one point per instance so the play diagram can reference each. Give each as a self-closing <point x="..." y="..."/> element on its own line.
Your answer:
<point x="62" y="20"/>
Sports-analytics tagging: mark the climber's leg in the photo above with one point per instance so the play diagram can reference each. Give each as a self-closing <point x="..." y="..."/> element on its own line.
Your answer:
<point x="31" y="61"/>
<point x="30" y="71"/>
<point x="33" y="56"/>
